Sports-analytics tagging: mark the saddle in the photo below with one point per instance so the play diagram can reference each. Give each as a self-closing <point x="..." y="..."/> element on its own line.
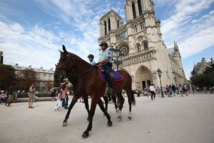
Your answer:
<point x="115" y="76"/>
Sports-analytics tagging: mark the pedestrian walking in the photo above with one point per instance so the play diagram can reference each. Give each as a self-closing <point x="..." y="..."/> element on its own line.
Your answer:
<point x="59" y="101"/>
<point x="31" y="95"/>
<point x="152" y="91"/>
<point x="185" y="89"/>
<point x="53" y="93"/>
<point x="173" y="89"/>
<point x="181" y="90"/>
<point x="170" y="91"/>
<point x="167" y="90"/>
<point x="66" y="94"/>
<point x="63" y="97"/>
<point x="10" y="94"/>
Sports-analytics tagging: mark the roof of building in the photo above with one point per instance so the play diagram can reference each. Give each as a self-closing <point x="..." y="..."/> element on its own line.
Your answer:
<point x="41" y="70"/>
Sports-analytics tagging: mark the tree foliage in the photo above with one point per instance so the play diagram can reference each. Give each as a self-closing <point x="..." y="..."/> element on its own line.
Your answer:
<point x="7" y="76"/>
<point x="28" y="77"/>
<point x="206" y="79"/>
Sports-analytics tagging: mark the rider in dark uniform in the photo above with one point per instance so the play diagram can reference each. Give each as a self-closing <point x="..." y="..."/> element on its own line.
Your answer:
<point x="106" y="61"/>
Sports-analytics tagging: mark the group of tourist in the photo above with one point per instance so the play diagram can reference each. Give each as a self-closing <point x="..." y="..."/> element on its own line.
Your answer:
<point x="169" y="90"/>
<point x="8" y="96"/>
<point x="62" y="97"/>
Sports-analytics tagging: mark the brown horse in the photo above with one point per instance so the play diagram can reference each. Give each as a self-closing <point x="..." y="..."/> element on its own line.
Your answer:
<point x="78" y="91"/>
<point x="93" y="85"/>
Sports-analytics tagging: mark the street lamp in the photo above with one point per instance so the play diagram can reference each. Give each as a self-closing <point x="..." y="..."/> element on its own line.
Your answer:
<point x="175" y="81"/>
<point x="159" y="74"/>
<point x="117" y="56"/>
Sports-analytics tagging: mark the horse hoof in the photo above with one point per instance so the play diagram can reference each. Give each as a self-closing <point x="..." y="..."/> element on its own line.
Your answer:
<point x="109" y="123"/>
<point x="64" y="124"/>
<point x="130" y="118"/>
<point x="119" y="118"/>
<point x="85" y="135"/>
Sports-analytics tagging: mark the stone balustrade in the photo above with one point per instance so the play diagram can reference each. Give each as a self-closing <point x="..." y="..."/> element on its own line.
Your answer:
<point x="139" y="57"/>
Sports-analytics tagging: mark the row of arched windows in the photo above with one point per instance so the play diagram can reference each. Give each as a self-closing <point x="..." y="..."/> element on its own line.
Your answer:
<point x="139" y="8"/>
<point x="109" y="25"/>
<point x="105" y="26"/>
<point x="145" y="46"/>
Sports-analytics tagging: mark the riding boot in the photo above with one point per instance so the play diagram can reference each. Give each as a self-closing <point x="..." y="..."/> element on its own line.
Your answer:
<point x="110" y="84"/>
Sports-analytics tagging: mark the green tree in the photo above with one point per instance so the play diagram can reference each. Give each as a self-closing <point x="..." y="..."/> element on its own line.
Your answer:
<point x="206" y="79"/>
<point x="28" y="78"/>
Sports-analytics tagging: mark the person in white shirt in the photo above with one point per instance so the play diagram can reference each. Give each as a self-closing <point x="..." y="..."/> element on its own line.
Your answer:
<point x="152" y="91"/>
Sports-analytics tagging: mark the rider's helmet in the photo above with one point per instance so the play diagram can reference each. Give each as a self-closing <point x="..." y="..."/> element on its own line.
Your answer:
<point x="104" y="43"/>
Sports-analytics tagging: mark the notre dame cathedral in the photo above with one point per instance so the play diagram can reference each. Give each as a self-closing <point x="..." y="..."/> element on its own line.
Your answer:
<point x="140" y="41"/>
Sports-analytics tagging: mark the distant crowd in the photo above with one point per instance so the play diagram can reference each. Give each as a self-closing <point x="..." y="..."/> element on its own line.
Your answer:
<point x="172" y="90"/>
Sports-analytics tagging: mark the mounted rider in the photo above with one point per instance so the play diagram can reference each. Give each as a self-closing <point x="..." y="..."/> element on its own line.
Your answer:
<point x="91" y="59"/>
<point x="106" y="61"/>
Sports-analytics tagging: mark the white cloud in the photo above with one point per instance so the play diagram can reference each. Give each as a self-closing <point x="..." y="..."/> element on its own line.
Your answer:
<point x="36" y="46"/>
<point x="198" y="42"/>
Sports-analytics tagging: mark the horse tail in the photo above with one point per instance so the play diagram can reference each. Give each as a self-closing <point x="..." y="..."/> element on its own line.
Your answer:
<point x="133" y="98"/>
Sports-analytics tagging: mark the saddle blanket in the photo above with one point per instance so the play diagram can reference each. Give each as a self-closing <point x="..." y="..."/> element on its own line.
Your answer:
<point x="114" y="75"/>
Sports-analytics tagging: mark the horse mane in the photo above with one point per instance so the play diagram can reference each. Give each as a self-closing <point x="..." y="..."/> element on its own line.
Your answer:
<point x="74" y="56"/>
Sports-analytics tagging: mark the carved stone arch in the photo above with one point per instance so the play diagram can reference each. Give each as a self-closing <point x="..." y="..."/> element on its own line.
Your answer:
<point x="143" y="77"/>
<point x="138" y="47"/>
<point x="140" y="38"/>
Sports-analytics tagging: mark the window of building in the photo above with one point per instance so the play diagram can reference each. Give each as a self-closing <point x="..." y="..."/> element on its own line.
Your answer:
<point x="105" y="28"/>
<point x="133" y="10"/>
<point x="145" y="45"/>
<point x="118" y="24"/>
<point x="140" y="7"/>
<point x="135" y="28"/>
<point x="109" y="24"/>
<point x="138" y="48"/>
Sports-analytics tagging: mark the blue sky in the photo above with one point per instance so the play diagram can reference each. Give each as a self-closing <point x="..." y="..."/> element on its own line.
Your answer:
<point x="31" y="32"/>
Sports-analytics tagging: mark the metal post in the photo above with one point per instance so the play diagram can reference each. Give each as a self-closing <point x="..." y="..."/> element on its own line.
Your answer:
<point x="162" y="95"/>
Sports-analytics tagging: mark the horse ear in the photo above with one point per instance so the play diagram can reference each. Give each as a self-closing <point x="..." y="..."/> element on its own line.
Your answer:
<point x="64" y="49"/>
<point x="60" y="51"/>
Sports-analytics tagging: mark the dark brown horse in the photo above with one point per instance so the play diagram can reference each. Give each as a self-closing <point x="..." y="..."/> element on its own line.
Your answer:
<point x="92" y="83"/>
<point x="78" y="91"/>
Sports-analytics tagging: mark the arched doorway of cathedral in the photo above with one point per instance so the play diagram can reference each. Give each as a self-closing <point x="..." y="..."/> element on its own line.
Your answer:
<point x="143" y="77"/>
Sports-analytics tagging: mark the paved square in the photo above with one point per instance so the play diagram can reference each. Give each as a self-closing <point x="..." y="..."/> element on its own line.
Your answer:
<point x="165" y="120"/>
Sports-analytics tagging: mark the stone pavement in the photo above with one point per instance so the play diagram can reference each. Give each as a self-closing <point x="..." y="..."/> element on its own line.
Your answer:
<point x="165" y="120"/>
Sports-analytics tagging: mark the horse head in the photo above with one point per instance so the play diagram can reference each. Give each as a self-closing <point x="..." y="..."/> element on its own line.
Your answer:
<point x="64" y="66"/>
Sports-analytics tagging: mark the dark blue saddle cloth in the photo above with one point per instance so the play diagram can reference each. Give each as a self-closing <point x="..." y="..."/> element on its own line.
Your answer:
<point x="116" y="76"/>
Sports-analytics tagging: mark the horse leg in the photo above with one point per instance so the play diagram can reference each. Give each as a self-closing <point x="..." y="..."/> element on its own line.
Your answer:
<point x="121" y="99"/>
<point x="106" y="102"/>
<point x="100" y="103"/>
<point x="74" y="100"/>
<point x="130" y="96"/>
<point x="85" y="98"/>
<point x="94" y="101"/>
<point x="115" y="103"/>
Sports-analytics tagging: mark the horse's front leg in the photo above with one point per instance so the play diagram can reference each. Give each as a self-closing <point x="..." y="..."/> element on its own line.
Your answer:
<point x="94" y="100"/>
<point x="74" y="100"/>
<point x="100" y="103"/>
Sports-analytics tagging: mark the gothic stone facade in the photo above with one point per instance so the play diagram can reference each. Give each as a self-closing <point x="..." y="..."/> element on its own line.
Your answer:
<point x="140" y="40"/>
